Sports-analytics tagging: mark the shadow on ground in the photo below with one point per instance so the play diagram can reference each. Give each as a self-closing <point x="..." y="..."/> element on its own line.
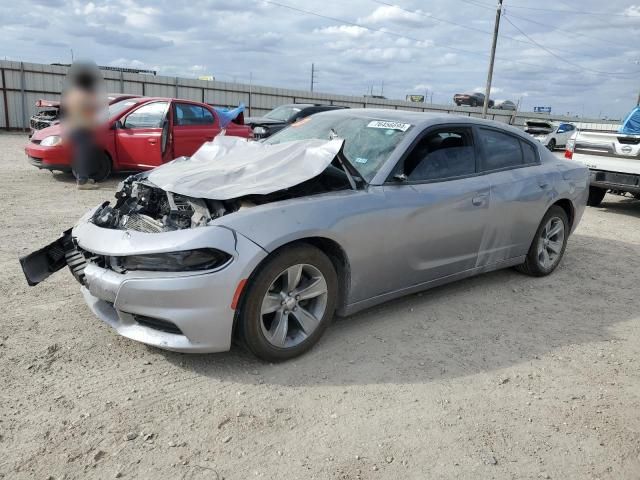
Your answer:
<point x="625" y="206"/>
<point x="482" y="324"/>
<point x="110" y="183"/>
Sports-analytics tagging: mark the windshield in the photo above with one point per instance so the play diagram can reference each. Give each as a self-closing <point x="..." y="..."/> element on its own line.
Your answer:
<point x="283" y="113"/>
<point x="367" y="142"/>
<point x="121" y="106"/>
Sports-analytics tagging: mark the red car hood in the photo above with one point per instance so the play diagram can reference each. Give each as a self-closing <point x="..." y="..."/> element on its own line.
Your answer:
<point x="46" y="132"/>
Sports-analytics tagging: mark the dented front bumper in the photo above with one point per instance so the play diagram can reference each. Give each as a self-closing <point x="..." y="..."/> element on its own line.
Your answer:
<point x="180" y="311"/>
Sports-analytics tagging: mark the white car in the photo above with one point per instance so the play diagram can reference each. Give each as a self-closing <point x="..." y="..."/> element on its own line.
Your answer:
<point x="551" y="134"/>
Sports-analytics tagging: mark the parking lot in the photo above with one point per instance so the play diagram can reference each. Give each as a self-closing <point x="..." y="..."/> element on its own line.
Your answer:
<point x="500" y="376"/>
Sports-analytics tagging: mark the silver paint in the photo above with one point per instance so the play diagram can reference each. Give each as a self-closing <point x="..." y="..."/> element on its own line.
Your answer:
<point x="397" y="238"/>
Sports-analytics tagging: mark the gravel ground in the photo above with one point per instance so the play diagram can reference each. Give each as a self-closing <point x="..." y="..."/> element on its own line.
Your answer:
<point x="501" y="376"/>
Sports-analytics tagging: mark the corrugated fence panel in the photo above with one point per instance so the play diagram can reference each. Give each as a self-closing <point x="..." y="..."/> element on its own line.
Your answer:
<point x="47" y="81"/>
<point x="3" y="123"/>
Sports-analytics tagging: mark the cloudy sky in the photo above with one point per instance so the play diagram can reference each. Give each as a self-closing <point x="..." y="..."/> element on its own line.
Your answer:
<point x="566" y="54"/>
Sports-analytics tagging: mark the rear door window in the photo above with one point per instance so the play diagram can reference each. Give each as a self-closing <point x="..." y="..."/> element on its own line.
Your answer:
<point x="500" y="150"/>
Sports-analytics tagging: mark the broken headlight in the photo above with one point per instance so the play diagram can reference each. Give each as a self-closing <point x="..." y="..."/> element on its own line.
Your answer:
<point x="184" y="261"/>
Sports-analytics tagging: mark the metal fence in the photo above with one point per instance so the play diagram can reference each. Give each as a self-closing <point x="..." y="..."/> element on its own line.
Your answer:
<point x="22" y="84"/>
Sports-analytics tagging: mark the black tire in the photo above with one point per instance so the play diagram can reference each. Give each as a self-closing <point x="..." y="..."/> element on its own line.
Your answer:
<point x="552" y="144"/>
<point x="102" y="169"/>
<point x="596" y="195"/>
<point x="532" y="264"/>
<point x="250" y="318"/>
<point x="636" y="196"/>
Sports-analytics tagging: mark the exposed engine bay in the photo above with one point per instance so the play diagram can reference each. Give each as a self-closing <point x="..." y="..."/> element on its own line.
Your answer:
<point x="144" y="207"/>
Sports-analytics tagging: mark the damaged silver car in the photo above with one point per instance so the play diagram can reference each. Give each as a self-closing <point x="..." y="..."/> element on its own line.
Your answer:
<point x="265" y="241"/>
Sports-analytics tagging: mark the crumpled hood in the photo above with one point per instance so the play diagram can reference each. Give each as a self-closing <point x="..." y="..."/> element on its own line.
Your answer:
<point x="231" y="167"/>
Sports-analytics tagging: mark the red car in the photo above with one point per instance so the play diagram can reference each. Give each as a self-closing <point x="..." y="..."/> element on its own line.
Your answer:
<point x="49" y="111"/>
<point x="140" y="134"/>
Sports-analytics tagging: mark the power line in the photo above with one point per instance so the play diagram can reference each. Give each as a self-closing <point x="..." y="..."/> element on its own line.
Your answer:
<point x="474" y="29"/>
<point x="573" y="12"/>
<point x="547" y="25"/>
<point x="377" y="30"/>
<point x="399" y="35"/>
<point x="542" y="47"/>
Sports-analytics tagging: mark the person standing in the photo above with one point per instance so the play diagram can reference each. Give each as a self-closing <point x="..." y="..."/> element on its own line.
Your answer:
<point x="82" y="106"/>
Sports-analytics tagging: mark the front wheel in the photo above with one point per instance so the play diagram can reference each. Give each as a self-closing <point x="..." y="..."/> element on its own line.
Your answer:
<point x="289" y="303"/>
<point x="552" y="144"/>
<point x="100" y="169"/>
<point x="548" y="245"/>
<point x="596" y="195"/>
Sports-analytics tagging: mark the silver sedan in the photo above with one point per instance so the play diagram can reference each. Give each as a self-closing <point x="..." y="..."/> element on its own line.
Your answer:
<point x="265" y="241"/>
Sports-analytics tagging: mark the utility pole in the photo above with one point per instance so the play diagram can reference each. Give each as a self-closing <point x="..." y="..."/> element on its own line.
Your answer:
<point x="313" y="76"/>
<point x="487" y="90"/>
<point x="637" y="62"/>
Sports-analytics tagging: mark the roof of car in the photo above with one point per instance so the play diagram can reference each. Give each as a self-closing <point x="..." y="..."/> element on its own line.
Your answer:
<point x="421" y="119"/>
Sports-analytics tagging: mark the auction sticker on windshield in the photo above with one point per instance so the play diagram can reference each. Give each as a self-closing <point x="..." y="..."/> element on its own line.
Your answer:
<point x="403" y="127"/>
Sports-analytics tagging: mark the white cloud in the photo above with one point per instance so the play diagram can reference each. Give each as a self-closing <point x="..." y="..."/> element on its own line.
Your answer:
<point x="277" y="45"/>
<point x="494" y="90"/>
<point x="352" y="31"/>
<point x="633" y="11"/>
<point x="387" y="13"/>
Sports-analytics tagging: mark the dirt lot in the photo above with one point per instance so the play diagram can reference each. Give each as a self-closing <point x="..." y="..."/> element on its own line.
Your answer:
<point x="500" y="376"/>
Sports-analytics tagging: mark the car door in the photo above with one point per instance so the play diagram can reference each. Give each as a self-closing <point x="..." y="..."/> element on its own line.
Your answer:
<point x="143" y="138"/>
<point x="564" y="132"/>
<point x="519" y="186"/>
<point x="193" y="125"/>
<point x="437" y="208"/>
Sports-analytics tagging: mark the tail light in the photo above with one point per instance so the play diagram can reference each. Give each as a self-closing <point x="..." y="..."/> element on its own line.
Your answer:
<point x="571" y="145"/>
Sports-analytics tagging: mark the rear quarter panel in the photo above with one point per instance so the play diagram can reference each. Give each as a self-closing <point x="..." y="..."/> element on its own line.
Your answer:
<point x="571" y="182"/>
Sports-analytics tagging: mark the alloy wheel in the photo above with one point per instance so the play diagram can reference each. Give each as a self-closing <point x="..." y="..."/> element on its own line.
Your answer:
<point x="550" y="243"/>
<point x="293" y="306"/>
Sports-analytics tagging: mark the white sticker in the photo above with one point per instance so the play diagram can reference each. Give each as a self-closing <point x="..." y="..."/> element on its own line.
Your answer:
<point x="361" y="160"/>
<point x="403" y="127"/>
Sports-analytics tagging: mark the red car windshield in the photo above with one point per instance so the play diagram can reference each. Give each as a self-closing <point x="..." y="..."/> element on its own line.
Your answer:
<point x="121" y="106"/>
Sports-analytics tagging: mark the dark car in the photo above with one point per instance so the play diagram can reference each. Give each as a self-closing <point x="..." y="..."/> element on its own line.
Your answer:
<point x="284" y="115"/>
<point x="472" y="99"/>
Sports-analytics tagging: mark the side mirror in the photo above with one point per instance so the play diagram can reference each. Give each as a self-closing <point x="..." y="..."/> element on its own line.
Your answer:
<point x="117" y="125"/>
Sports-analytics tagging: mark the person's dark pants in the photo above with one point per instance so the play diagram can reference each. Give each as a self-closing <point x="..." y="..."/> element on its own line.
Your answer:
<point x="84" y="154"/>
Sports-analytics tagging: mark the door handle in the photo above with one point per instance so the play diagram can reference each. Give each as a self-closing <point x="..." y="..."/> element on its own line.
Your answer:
<point x="152" y="141"/>
<point x="479" y="200"/>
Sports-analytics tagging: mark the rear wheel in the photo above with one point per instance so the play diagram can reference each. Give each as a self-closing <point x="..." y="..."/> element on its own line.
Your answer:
<point x="596" y="195"/>
<point x="636" y="196"/>
<point x="548" y="245"/>
<point x="289" y="303"/>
